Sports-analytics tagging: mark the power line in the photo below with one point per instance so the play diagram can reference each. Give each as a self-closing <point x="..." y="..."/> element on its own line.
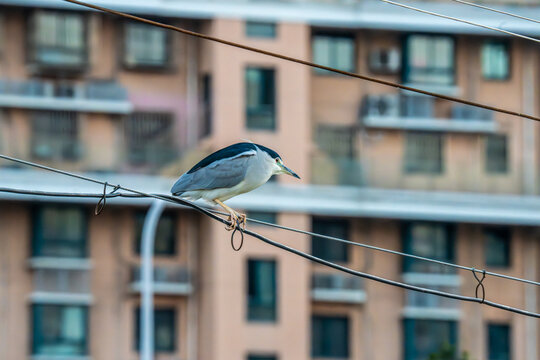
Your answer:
<point x="496" y="10"/>
<point x="310" y="257"/>
<point x="307" y="63"/>
<point x="458" y="20"/>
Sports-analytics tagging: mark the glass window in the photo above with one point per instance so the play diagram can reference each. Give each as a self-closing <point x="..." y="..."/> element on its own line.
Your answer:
<point x="260" y="99"/>
<point x="426" y="337"/>
<point x="429" y="240"/>
<point x="496" y="154"/>
<point x="499" y="342"/>
<point x="423" y="153"/>
<point x="330" y="336"/>
<point x="149" y="138"/>
<point x="260" y="29"/>
<point x="59" y="232"/>
<point x="262" y="290"/>
<point x="59" y="330"/>
<point x="336" y="51"/>
<point x="164" y="329"/>
<point x="145" y="46"/>
<point x="206" y="111"/>
<point x="266" y="216"/>
<point x="55" y="135"/>
<point x="497" y="246"/>
<point x="495" y="60"/>
<point x="328" y="249"/>
<point x="165" y="239"/>
<point x="58" y="38"/>
<point x="429" y="59"/>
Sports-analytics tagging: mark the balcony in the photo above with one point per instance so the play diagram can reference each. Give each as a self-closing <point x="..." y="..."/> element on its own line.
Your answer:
<point x="338" y="288"/>
<point x="428" y="306"/>
<point x="327" y="170"/>
<point x="93" y="97"/>
<point x="407" y="111"/>
<point x="168" y="280"/>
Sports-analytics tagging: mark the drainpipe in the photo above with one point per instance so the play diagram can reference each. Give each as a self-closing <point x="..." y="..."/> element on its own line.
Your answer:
<point x="147" y="269"/>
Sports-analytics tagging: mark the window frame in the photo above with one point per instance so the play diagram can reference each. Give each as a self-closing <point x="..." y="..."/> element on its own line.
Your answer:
<point x="273" y="308"/>
<point x="507" y="244"/>
<point x="347" y="339"/>
<point x="321" y="243"/>
<point x="406" y="69"/>
<point x="251" y="113"/>
<point x="490" y="165"/>
<point x="172" y="249"/>
<point x="38" y="242"/>
<point x="250" y="24"/>
<point x="167" y="66"/>
<point x="507" y="47"/>
<point x="414" y="169"/>
<point x="37" y="318"/>
<point x="173" y="316"/>
<point x="408" y="264"/>
<point x="332" y="36"/>
<point x="409" y="347"/>
<point x="488" y="338"/>
<point x="53" y="136"/>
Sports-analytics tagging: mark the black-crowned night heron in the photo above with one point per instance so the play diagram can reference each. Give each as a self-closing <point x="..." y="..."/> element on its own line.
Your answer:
<point x="228" y="172"/>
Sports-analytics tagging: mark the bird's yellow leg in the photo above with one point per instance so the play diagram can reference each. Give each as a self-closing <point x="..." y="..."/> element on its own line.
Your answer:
<point x="234" y="217"/>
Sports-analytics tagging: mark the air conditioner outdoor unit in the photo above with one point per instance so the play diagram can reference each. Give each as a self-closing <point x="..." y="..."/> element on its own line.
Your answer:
<point x="386" y="105"/>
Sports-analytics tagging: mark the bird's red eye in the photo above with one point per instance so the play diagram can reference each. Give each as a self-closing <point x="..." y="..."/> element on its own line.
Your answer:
<point x="277" y="160"/>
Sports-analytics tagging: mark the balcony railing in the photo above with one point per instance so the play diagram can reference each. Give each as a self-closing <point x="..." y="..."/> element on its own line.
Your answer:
<point x="61" y="285"/>
<point x="98" y="97"/>
<point x="337" y="288"/>
<point x="167" y="280"/>
<point x="419" y="112"/>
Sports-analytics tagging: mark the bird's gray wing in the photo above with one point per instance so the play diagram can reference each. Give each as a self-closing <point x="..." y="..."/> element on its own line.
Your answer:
<point x="222" y="173"/>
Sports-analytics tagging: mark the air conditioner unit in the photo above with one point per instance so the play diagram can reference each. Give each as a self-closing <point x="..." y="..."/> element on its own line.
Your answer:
<point x="386" y="61"/>
<point x="386" y="105"/>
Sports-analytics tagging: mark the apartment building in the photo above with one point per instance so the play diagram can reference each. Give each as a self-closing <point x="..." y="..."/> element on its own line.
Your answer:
<point x="136" y="105"/>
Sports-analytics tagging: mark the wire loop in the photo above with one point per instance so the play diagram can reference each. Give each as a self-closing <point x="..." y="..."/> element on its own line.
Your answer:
<point x="237" y="228"/>
<point x="103" y="200"/>
<point x="480" y="285"/>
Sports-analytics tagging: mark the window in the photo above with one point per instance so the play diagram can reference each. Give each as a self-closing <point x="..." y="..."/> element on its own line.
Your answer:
<point x="496" y="154"/>
<point x="149" y="138"/>
<point x="495" y="60"/>
<point x="429" y="60"/>
<point x="59" y="232"/>
<point x="164" y="329"/>
<point x="429" y="240"/>
<point x="262" y="357"/>
<point x="330" y="336"/>
<point x="165" y="238"/>
<point x="328" y="249"/>
<point x="146" y="46"/>
<point x="260" y="99"/>
<point x="206" y="112"/>
<point x="499" y="343"/>
<point x="266" y="216"/>
<point x="423" y="153"/>
<point x="497" y="246"/>
<point x="58" y="39"/>
<point x="426" y="337"/>
<point x="339" y="142"/>
<point x="262" y="294"/>
<point x="55" y="135"/>
<point x="336" y="51"/>
<point x="260" y="29"/>
<point x="59" y="330"/>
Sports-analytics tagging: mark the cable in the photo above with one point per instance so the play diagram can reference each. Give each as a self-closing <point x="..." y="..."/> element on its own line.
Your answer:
<point x="459" y="20"/>
<point x="176" y="200"/>
<point x="321" y="236"/>
<point x="496" y="10"/>
<point x="307" y="63"/>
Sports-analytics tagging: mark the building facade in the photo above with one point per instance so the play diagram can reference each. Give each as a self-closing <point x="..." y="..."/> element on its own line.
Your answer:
<point x="137" y="105"/>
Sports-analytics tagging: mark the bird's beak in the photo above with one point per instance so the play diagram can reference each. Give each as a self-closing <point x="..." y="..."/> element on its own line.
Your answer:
<point x="288" y="171"/>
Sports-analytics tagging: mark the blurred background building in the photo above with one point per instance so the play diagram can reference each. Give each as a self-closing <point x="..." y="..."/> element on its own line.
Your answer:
<point x="138" y="105"/>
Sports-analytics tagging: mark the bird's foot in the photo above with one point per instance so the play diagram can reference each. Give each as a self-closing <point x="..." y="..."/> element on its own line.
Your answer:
<point x="242" y="220"/>
<point x="233" y="219"/>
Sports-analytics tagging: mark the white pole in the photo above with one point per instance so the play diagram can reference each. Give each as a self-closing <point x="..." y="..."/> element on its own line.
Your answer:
<point x="147" y="270"/>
